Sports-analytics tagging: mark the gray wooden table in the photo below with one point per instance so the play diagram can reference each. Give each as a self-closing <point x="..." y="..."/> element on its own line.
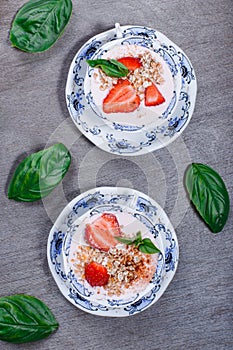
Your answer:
<point x="196" y="310"/>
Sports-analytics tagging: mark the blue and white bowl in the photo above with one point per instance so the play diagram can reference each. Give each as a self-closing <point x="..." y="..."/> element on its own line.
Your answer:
<point x="123" y="138"/>
<point x="143" y="117"/>
<point x="128" y="222"/>
<point x="100" y="200"/>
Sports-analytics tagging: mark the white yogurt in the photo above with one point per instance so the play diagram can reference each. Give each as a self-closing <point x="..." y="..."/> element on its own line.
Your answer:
<point x="129" y="226"/>
<point x="143" y="115"/>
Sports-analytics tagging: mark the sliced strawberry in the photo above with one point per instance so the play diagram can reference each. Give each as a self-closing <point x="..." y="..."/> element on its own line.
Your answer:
<point x="153" y="96"/>
<point x="131" y="63"/>
<point x="96" y="274"/>
<point x="121" y="98"/>
<point x="100" y="234"/>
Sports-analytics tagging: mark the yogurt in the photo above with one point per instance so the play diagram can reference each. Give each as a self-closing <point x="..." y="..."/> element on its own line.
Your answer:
<point x="130" y="270"/>
<point x="143" y="115"/>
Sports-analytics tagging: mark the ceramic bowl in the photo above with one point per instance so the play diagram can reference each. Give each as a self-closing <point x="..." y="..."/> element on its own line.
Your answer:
<point x="116" y="200"/>
<point x="143" y="116"/>
<point x="131" y="139"/>
<point x="75" y="239"/>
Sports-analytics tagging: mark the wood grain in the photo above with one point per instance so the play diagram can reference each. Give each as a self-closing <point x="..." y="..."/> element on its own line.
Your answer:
<point x="196" y="310"/>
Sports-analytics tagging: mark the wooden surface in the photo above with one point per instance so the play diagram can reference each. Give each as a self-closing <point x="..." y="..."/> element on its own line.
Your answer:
<point x="196" y="310"/>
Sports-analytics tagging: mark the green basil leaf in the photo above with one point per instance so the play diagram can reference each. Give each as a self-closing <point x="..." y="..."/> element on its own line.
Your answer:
<point x="120" y="66"/>
<point x="39" y="23"/>
<point x="38" y="174"/>
<point x="111" y="68"/>
<point x="148" y="247"/>
<point x="124" y="240"/>
<point x="24" y="318"/>
<point x="138" y="239"/>
<point x="209" y="195"/>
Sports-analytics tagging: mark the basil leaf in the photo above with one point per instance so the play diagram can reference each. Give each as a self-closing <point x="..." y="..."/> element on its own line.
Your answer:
<point x="24" y="318"/>
<point x="144" y="245"/>
<point x="138" y="239"/>
<point x="38" y="174"/>
<point x="39" y="23"/>
<point x="148" y="247"/>
<point x="111" y="68"/>
<point x="209" y="195"/>
<point x="124" y="240"/>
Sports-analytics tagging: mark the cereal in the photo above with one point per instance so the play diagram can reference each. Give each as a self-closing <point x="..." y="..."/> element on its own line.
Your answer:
<point x="150" y="72"/>
<point x="126" y="266"/>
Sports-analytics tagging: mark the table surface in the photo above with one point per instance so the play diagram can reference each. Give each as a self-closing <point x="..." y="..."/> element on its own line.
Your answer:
<point x="195" y="312"/>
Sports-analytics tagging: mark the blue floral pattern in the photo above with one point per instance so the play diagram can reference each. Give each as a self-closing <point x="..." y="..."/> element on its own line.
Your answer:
<point x="55" y="253"/>
<point x="112" y="199"/>
<point x="129" y="140"/>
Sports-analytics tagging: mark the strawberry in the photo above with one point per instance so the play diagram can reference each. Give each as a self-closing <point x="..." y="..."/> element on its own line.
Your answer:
<point x="100" y="234"/>
<point x="131" y="63"/>
<point x="121" y="98"/>
<point x="96" y="274"/>
<point x="153" y="96"/>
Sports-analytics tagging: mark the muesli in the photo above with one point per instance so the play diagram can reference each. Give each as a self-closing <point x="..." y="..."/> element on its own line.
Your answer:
<point x="145" y="91"/>
<point x="110" y="267"/>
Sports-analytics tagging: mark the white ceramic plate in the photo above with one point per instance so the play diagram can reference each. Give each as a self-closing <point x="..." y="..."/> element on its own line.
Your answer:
<point x="109" y="199"/>
<point x="131" y="139"/>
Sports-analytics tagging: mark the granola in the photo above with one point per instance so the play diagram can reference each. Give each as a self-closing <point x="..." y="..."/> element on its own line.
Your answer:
<point x="127" y="267"/>
<point x="150" y="72"/>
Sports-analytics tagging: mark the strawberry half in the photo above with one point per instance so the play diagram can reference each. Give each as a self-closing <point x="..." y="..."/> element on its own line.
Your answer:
<point x="131" y="63"/>
<point x="96" y="274"/>
<point x="100" y="234"/>
<point x="122" y="98"/>
<point x="153" y="96"/>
